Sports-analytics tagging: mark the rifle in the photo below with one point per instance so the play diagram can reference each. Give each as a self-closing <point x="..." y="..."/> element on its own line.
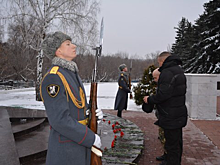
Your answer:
<point x="129" y="80"/>
<point x="95" y="159"/>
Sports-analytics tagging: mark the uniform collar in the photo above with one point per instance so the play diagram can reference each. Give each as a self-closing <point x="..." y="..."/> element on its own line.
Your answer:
<point x="124" y="73"/>
<point x="70" y="65"/>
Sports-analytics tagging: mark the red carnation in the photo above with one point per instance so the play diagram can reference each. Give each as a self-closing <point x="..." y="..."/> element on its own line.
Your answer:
<point x="109" y="122"/>
<point x="122" y="134"/>
<point x="113" y="126"/>
<point x="113" y="143"/>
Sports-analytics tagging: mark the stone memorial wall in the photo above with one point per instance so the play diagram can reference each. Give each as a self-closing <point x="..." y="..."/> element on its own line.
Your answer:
<point x="203" y="96"/>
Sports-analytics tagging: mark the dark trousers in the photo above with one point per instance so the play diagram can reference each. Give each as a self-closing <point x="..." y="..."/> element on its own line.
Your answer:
<point x="174" y="145"/>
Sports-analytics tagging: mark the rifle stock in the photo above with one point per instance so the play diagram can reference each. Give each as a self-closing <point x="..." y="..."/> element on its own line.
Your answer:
<point x="93" y="102"/>
<point x="131" y="97"/>
<point x="95" y="160"/>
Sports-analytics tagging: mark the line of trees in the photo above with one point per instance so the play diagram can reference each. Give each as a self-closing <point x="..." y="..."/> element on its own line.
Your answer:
<point x="198" y="45"/>
<point x="20" y="63"/>
<point x="108" y="66"/>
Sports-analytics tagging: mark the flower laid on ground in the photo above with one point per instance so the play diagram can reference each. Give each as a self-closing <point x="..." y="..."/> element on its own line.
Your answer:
<point x="113" y="143"/>
<point x="115" y="130"/>
<point x="113" y="126"/>
<point x="103" y="120"/>
<point x="122" y="134"/>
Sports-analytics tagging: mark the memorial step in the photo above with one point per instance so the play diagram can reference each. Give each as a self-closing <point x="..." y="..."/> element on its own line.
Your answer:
<point x="25" y="126"/>
<point x="33" y="145"/>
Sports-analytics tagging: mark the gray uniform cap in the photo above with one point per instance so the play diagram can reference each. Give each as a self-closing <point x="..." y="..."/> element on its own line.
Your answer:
<point x="121" y="67"/>
<point x="52" y="42"/>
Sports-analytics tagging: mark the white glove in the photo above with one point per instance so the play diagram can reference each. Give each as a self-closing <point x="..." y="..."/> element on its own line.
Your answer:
<point x="97" y="141"/>
<point x="87" y="112"/>
<point x="99" y="114"/>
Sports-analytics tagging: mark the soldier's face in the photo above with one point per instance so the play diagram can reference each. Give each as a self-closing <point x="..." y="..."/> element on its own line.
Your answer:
<point x="125" y="69"/>
<point x="67" y="50"/>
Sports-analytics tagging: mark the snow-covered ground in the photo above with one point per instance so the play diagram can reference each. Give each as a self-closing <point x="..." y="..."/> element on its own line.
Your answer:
<point x="25" y="97"/>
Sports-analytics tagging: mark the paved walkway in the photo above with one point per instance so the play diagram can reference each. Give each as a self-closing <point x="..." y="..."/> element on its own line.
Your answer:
<point x="201" y="139"/>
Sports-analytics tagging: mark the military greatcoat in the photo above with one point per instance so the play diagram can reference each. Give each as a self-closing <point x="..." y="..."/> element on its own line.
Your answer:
<point x="70" y="141"/>
<point x="122" y="94"/>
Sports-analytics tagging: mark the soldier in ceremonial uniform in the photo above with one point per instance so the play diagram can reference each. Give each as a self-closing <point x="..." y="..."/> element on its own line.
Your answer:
<point x="64" y="97"/>
<point x="121" y="100"/>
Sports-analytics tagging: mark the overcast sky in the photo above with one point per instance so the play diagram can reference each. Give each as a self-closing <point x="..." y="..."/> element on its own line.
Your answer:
<point x="144" y="26"/>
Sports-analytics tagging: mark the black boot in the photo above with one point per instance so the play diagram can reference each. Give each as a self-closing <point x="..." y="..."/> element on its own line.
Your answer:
<point x="119" y="114"/>
<point x="161" y="158"/>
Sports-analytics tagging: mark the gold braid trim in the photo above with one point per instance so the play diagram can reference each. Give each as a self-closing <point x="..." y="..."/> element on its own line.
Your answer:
<point x="41" y="87"/>
<point x="78" y="104"/>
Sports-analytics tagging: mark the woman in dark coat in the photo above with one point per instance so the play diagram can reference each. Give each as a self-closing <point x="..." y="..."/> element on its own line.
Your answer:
<point x="121" y="100"/>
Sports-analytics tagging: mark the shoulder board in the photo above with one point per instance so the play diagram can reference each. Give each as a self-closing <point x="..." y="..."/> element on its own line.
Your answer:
<point x="54" y="70"/>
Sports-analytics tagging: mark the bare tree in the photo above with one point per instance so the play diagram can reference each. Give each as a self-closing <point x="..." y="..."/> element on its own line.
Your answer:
<point x="17" y="61"/>
<point x="153" y="57"/>
<point x="75" y="17"/>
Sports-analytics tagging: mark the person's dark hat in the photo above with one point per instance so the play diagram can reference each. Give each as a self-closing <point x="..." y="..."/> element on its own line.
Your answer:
<point x="121" y="67"/>
<point x="52" y="42"/>
<point x="148" y="108"/>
